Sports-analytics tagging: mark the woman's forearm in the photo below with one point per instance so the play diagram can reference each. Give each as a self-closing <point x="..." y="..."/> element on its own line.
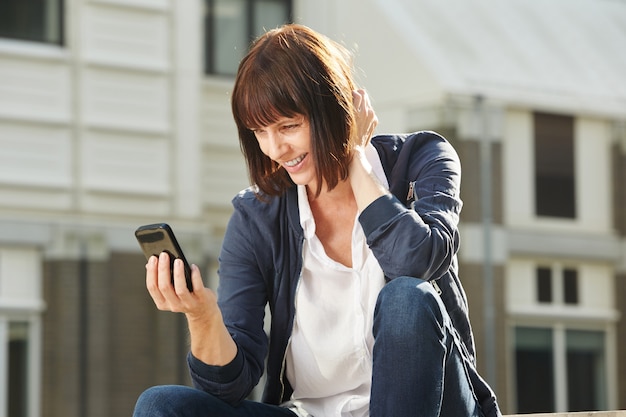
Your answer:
<point x="211" y="342"/>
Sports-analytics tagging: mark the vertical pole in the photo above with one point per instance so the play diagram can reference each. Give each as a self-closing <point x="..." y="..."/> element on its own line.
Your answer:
<point x="486" y="173"/>
<point x="4" y="364"/>
<point x="83" y="322"/>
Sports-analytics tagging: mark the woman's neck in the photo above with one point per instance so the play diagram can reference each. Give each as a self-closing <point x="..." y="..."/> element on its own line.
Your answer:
<point x="335" y="212"/>
<point x="340" y="195"/>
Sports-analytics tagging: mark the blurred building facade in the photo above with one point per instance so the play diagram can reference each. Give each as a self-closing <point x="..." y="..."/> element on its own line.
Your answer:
<point x="115" y="113"/>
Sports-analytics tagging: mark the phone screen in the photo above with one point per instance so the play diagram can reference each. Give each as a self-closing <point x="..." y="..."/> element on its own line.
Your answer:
<point x="159" y="237"/>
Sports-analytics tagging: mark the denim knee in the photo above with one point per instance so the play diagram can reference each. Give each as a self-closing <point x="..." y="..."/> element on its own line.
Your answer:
<point x="406" y="304"/>
<point x="166" y="401"/>
<point x="149" y="401"/>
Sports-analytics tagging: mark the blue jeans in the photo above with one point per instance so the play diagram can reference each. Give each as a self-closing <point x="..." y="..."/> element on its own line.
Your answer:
<point x="420" y="368"/>
<point x="181" y="401"/>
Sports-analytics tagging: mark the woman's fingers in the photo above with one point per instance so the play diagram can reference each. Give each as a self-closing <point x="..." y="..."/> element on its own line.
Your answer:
<point x="180" y="280"/>
<point x="357" y="99"/>
<point x="366" y="120"/>
<point x="176" y="298"/>
<point x="159" y="283"/>
<point x="164" y="278"/>
<point x="152" y="283"/>
<point x="196" y="278"/>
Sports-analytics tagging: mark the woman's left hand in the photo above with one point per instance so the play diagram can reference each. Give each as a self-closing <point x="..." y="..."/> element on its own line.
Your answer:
<point x="366" y="120"/>
<point x="365" y="186"/>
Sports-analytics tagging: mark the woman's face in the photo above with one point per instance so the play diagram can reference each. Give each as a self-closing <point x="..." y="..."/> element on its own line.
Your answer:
<point x="288" y="143"/>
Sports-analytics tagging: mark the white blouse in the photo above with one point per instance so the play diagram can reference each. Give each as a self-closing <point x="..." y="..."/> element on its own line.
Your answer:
<point x="329" y="356"/>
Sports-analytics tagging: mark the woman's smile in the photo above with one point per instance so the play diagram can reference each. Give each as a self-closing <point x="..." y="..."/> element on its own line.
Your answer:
<point x="288" y="143"/>
<point x="296" y="161"/>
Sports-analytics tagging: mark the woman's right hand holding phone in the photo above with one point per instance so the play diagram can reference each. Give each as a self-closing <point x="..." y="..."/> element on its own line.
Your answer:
<point x="177" y="298"/>
<point x="210" y="341"/>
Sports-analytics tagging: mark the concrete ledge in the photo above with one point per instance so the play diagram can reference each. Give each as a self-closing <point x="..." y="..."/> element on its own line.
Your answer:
<point x="616" y="413"/>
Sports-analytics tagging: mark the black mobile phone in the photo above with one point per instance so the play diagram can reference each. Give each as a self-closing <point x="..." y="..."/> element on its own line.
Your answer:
<point x="159" y="237"/>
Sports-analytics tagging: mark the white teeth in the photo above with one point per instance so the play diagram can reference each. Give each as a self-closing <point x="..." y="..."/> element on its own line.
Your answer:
<point x="296" y="161"/>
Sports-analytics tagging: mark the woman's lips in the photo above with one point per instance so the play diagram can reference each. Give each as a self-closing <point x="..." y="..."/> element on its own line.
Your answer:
<point x="292" y="164"/>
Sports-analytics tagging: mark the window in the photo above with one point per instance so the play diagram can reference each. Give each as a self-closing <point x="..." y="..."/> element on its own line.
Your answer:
<point x="534" y="370"/>
<point x="20" y="331"/>
<point x="570" y="286"/>
<point x="16" y="362"/>
<point x="563" y="339"/>
<point x="544" y="285"/>
<point x="546" y="356"/>
<point x="32" y="20"/>
<point x="586" y="373"/>
<point x="567" y="278"/>
<point x="18" y="368"/>
<point x="230" y="26"/>
<point x="555" y="188"/>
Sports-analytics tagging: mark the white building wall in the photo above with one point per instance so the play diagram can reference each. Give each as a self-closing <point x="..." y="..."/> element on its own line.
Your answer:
<point x="119" y="127"/>
<point x="592" y="150"/>
<point x="594" y="180"/>
<point x="223" y="172"/>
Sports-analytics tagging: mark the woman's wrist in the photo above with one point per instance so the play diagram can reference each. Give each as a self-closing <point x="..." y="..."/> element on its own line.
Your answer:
<point x="359" y="160"/>
<point x="365" y="185"/>
<point x="210" y="340"/>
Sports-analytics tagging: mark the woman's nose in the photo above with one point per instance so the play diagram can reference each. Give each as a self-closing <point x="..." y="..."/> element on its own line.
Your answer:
<point x="276" y="146"/>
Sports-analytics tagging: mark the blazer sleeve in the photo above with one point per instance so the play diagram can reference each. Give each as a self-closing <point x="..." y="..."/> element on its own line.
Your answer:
<point x="242" y="296"/>
<point x="419" y="236"/>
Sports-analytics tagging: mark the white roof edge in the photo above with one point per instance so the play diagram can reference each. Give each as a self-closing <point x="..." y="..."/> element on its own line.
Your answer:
<point x="560" y="56"/>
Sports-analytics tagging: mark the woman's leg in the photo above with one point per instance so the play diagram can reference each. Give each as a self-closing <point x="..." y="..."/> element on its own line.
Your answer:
<point x="420" y="368"/>
<point x="182" y="401"/>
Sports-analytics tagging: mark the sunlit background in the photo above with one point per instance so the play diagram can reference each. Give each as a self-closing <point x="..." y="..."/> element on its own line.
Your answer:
<point x="115" y="113"/>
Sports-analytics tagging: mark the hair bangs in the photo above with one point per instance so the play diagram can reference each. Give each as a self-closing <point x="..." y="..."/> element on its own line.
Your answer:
<point x="268" y="91"/>
<point x="264" y="104"/>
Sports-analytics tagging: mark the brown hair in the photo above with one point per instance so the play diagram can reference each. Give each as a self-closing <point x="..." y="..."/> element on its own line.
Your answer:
<point x="293" y="70"/>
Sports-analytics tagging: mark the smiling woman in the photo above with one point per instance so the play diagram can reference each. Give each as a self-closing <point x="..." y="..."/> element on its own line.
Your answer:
<point x="281" y="78"/>
<point x="349" y="228"/>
